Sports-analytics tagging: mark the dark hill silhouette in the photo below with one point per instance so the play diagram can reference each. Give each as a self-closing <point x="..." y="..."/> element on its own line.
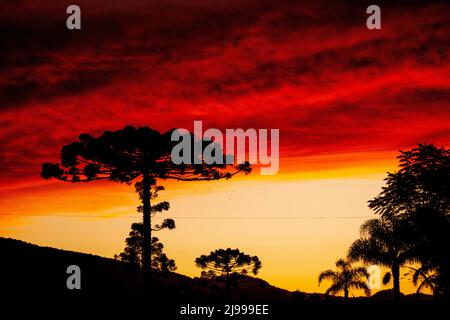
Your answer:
<point x="387" y="295"/>
<point x="28" y="268"/>
<point x="32" y="273"/>
<point x="32" y="269"/>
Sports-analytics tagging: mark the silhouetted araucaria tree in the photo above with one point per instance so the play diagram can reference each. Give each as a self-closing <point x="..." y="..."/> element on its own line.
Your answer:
<point x="132" y="253"/>
<point x="133" y="154"/>
<point x="227" y="264"/>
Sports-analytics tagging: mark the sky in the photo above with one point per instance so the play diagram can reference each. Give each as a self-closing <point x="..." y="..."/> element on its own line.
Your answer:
<point x="344" y="98"/>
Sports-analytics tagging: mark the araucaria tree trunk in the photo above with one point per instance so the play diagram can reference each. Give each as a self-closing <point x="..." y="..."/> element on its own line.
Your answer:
<point x="146" y="209"/>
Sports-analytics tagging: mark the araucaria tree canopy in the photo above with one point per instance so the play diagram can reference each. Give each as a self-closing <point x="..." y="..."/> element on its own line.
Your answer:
<point x="129" y="155"/>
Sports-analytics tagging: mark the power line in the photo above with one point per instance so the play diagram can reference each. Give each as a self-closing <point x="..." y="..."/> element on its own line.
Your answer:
<point x="190" y="217"/>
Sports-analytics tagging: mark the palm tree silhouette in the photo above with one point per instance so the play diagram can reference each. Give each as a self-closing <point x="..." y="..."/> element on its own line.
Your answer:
<point x="382" y="242"/>
<point x="423" y="277"/>
<point x="345" y="279"/>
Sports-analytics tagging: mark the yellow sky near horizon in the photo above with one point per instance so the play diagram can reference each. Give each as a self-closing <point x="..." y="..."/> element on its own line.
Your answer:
<point x="296" y="224"/>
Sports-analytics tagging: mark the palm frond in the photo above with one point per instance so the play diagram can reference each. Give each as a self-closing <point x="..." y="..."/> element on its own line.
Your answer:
<point x="328" y="275"/>
<point x="342" y="264"/>
<point x="360" y="285"/>
<point x="334" y="289"/>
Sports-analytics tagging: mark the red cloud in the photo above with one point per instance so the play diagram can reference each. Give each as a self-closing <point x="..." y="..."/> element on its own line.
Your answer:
<point x="313" y="71"/>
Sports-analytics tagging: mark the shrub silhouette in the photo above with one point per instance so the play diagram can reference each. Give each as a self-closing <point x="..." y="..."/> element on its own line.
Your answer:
<point x="422" y="181"/>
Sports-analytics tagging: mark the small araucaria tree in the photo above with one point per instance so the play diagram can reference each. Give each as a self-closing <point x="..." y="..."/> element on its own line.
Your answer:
<point x="130" y="155"/>
<point x="133" y="251"/>
<point x="228" y="264"/>
<point x="345" y="278"/>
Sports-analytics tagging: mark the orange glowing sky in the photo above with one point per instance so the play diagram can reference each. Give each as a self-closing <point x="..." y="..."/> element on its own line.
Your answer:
<point x="344" y="98"/>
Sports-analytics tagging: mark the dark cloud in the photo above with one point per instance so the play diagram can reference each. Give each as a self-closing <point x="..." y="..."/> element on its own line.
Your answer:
<point x="311" y="69"/>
